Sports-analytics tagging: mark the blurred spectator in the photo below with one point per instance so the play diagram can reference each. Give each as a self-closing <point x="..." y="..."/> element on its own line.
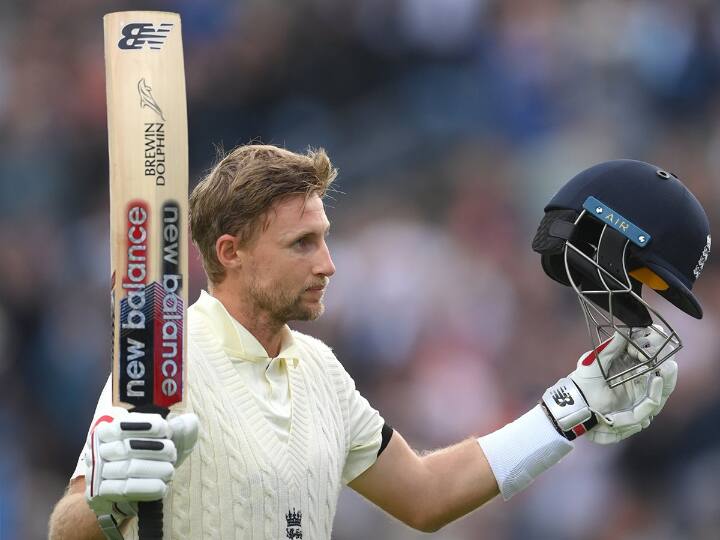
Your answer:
<point x="452" y="122"/>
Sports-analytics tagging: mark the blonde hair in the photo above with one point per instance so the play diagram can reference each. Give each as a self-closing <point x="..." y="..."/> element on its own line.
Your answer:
<point x="237" y="194"/>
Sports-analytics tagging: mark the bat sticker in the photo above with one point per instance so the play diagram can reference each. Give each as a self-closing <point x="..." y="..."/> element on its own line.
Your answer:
<point x="147" y="100"/>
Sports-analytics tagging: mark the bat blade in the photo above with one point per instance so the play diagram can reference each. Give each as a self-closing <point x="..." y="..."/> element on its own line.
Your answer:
<point x="147" y="144"/>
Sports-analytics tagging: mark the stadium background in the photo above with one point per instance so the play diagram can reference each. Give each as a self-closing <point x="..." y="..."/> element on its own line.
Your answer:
<point x="452" y="123"/>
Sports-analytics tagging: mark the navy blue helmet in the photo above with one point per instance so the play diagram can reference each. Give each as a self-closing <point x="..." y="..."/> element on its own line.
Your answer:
<point x="621" y="225"/>
<point x="632" y="193"/>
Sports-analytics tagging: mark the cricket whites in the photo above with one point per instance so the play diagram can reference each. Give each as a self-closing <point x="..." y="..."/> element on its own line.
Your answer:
<point x="147" y="144"/>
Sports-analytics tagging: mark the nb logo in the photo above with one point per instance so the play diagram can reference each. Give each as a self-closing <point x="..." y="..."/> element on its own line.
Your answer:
<point x="136" y="35"/>
<point x="562" y="398"/>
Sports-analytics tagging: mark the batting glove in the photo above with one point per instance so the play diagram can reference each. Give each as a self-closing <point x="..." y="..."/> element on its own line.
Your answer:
<point x="133" y="458"/>
<point x="585" y="403"/>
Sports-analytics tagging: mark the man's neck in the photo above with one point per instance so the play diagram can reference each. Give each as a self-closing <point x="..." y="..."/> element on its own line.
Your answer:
<point x="267" y="331"/>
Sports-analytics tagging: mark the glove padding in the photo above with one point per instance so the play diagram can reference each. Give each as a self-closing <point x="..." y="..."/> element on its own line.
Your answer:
<point x="133" y="458"/>
<point x="630" y="407"/>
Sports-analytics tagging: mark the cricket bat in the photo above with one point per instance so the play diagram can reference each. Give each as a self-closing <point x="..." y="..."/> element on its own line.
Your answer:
<point x="148" y="150"/>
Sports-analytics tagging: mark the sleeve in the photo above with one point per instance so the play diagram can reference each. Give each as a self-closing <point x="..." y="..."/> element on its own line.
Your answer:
<point x="365" y="427"/>
<point x="104" y="410"/>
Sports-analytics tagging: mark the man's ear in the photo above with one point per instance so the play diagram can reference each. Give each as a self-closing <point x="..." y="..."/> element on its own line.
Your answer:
<point x="228" y="252"/>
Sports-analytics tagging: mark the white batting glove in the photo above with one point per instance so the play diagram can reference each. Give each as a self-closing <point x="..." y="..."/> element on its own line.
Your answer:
<point x="584" y="402"/>
<point x="133" y="458"/>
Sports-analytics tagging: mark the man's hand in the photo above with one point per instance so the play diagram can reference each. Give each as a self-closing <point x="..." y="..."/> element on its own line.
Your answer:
<point x="133" y="458"/>
<point x="585" y="401"/>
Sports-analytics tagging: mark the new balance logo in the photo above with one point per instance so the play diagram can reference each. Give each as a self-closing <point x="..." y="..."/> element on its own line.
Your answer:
<point x="562" y="398"/>
<point x="137" y="35"/>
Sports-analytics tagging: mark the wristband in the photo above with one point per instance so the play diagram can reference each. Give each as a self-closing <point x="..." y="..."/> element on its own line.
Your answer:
<point x="520" y="451"/>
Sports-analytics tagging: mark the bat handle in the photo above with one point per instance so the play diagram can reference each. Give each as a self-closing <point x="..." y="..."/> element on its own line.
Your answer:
<point x="150" y="513"/>
<point x="150" y="516"/>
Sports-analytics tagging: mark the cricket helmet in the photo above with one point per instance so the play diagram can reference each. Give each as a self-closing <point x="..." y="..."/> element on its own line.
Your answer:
<point x="615" y="228"/>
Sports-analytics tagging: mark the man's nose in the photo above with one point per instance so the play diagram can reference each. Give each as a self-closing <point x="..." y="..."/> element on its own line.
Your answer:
<point x="324" y="265"/>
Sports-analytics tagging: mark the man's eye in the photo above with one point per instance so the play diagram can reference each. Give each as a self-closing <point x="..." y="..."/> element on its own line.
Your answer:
<point x="301" y="242"/>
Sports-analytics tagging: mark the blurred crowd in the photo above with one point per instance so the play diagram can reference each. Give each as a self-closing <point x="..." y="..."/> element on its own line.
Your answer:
<point x="452" y="123"/>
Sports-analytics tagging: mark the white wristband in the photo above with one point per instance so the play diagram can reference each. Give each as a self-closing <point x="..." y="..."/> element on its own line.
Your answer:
<point x="520" y="451"/>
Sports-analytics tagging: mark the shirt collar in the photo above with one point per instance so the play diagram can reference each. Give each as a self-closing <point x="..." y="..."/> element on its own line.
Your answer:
<point x="236" y="340"/>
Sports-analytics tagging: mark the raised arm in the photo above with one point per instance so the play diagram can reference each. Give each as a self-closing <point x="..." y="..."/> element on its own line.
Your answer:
<point x="126" y="460"/>
<point x="72" y="518"/>
<point x="429" y="491"/>
<point x="426" y="492"/>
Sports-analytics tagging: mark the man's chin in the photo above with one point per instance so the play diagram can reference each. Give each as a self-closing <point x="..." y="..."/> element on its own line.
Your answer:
<point x="314" y="312"/>
<point x="307" y="312"/>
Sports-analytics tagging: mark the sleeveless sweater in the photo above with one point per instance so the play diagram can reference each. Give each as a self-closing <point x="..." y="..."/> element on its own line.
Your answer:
<point x="241" y="481"/>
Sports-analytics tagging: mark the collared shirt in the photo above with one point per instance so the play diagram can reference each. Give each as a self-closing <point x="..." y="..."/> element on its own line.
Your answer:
<point x="268" y="381"/>
<point x="266" y="377"/>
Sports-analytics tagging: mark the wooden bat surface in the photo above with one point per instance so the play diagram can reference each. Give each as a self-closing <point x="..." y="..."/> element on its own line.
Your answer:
<point x="147" y="139"/>
<point x="147" y="144"/>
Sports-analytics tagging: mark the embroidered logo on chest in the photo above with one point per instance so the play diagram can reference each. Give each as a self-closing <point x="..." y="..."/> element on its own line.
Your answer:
<point x="294" y="524"/>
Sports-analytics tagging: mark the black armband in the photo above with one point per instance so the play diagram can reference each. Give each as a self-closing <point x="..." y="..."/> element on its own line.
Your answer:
<point x="386" y="434"/>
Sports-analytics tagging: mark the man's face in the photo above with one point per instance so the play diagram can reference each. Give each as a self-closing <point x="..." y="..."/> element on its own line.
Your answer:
<point x="288" y="266"/>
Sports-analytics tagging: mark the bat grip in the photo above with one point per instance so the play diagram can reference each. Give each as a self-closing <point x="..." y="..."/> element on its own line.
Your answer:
<point x="150" y="513"/>
<point x="150" y="520"/>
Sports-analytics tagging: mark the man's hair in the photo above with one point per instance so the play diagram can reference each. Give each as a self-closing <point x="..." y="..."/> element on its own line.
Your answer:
<point x="238" y="193"/>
